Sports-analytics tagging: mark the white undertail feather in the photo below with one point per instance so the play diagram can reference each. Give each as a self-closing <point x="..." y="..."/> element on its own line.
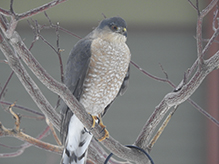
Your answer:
<point x="77" y="143"/>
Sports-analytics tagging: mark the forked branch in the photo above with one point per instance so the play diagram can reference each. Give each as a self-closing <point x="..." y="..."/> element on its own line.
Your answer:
<point x="10" y="38"/>
<point x="17" y="133"/>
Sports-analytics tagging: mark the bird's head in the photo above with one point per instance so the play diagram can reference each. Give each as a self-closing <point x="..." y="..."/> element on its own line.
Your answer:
<point x="113" y="28"/>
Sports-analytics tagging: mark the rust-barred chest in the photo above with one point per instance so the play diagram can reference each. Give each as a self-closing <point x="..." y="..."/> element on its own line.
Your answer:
<point x="108" y="66"/>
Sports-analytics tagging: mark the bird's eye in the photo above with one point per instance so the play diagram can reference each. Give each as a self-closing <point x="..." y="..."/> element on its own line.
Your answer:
<point x="114" y="27"/>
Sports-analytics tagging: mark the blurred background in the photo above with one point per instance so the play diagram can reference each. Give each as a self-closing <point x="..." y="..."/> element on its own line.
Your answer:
<point x="160" y="33"/>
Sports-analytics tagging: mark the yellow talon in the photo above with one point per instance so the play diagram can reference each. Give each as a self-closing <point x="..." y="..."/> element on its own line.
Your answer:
<point x="105" y="136"/>
<point x="102" y="125"/>
<point x="94" y="120"/>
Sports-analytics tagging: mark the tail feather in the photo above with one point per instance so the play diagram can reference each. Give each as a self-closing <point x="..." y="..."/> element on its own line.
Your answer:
<point x="77" y="142"/>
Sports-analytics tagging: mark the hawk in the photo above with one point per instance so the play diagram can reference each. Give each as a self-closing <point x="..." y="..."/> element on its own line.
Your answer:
<point x="97" y="71"/>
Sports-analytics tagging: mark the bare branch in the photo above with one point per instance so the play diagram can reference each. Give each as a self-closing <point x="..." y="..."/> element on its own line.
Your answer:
<point x="210" y="41"/>
<point x="11" y="8"/>
<point x="215" y="19"/>
<point x="65" y="94"/>
<point x="207" y="9"/>
<point x="23" y="108"/>
<point x="176" y="98"/>
<point x="39" y="9"/>
<point x="28" y="83"/>
<point x="30" y="12"/>
<point x="53" y="132"/>
<point x="194" y="6"/>
<point x="60" y="28"/>
<point x="202" y="111"/>
<point x="33" y="141"/>
<point x="150" y="75"/>
<point x="164" y="72"/>
<point x="16" y="17"/>
<point x="5" y="12"/>
<point x="23" y="146"/>
<point x="179" y="87"/>
<point x="202" y="14"/>
<point x="16" y="132"/>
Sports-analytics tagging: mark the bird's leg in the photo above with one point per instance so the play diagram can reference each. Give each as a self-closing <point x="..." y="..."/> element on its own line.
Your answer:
<point x="100" y="122"/>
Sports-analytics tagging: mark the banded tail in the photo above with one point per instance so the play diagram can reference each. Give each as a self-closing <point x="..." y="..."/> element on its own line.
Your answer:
<point x="77" y="142"/>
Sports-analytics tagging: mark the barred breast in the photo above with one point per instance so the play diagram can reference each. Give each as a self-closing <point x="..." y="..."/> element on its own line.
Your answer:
<point x="108" y="67"/>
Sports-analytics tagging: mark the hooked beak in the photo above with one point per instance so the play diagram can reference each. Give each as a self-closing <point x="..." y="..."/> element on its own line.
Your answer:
<point x="122" y="31"/>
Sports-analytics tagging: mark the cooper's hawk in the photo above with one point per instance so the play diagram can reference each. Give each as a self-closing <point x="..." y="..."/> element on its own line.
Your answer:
<point x="97" y="72"/>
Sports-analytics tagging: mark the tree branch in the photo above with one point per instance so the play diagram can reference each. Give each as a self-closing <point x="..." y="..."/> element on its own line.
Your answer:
<point x="176" y="98"/>
<point x="23" y="146"/>
<point x="30" y="12"/>
<point x="17" y="133"/>
<point x="60" y="89"/>
<point x="201" y="16"/>
<point x="28" y="83"/>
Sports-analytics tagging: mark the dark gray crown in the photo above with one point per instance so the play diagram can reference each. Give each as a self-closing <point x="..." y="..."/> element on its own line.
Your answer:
<point x="118" y="21"/>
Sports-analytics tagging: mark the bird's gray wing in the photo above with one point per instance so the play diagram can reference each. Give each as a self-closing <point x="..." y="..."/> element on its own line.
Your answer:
<point x="122" y="90"/>
<point x="76" y="69"/>
<point x="125" y="83"/>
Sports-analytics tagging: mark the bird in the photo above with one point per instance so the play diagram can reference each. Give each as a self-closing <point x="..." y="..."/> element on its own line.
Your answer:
<point x="97" y="71"/>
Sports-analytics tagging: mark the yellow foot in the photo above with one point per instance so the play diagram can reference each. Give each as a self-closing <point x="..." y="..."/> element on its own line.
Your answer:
<point x="105" y="136"/>
<point x="102" y="125"/>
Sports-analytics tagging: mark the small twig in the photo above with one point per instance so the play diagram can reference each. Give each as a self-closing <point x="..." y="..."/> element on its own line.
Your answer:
<point x="165" y="73"/>
<point x="189" y="73"/>
<point x="23" y="108"/>
<point x="59" y="50"/>
<point x="215" y="41"/>
<point x="215" y="19"/>
<point x="17" y="117"/>
<point x="202" y="111"/>
<point x="33" y="117"/>
<point x="25" y="78"/>
<point x="60" y="28"/>
<point x="36" y="29"/>
<point x="39" y="9"/>
<point x="203" y="13"/>
<point x="45" y="41"/>
<point x="16" y="17"/>
<point x="5" y="12"/>
<point x="104" y="15"/>
<point x="216" y="32"/>
<point x="11" y="7"/>
<point x="23" y="146"/>
<point x="24" y="137"/>
<point x="197" y="6"/>
<point x="150" y="75"/>
<point x="3" y="89"/>
<point x="210" y="41"/>
<point x="53" y="132"/>
<point x="194" y="6"/>
<point x="10" y="147"/>
<point x="36" y="38"/>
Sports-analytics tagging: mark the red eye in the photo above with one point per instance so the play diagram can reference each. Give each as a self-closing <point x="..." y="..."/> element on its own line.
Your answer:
<point x="114" y="27"/>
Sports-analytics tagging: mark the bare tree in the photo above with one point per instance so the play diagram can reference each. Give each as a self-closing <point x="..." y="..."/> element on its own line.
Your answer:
<point x="15" y="50"/>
